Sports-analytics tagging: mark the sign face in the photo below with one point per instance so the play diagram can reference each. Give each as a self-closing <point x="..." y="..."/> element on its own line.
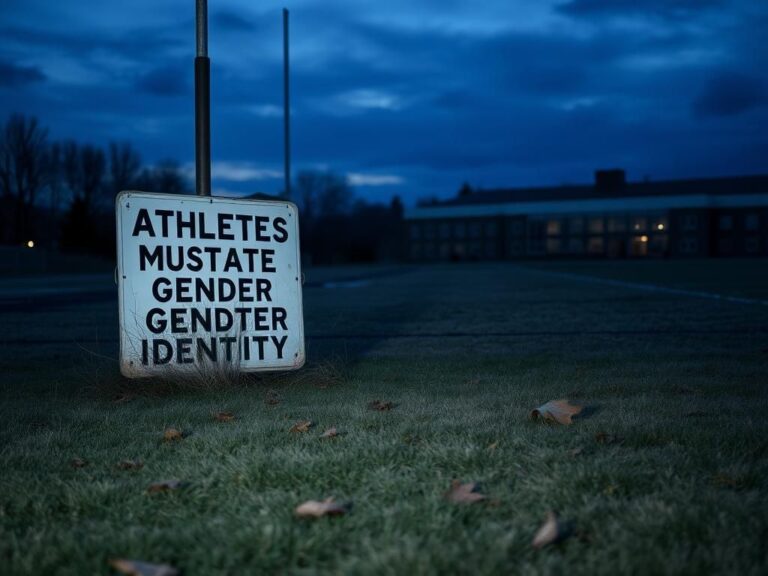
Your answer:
<point x="207" y="283"/>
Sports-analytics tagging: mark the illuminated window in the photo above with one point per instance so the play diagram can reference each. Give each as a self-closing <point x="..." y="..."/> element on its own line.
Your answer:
<point x="553" y="227"/>
<point x="659" y="224"/>
<point x="752" y="221"/>
<point x="726" y="222"/>
<point x="596" y="226"/>
<point x="639" y="246"/>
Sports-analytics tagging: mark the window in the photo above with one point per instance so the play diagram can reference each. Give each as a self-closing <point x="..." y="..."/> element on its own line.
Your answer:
<point x="658" y="244"/>
<point x="726" y="222"/>
<point x="575" y="245"/>
<point x="445" y="231"/>
<point x="596" y="245"/>
<point x="752" y="221"/>
<point x="639" y="245"/>
<point x="553" y="227"/>
<point x="445" y="250"/>
<point x="576" y="226"/>
<point x="639" y="224"/>
<point x="617" y="224"/>
<point x="429" y="231"/>
<point x="596" y="226"/>
<point x="430" y="251"/>
<point x="516" y="248"/>
<point x="475" y="230"/>
<point x="490" y="250"/>
<point x="752" y="245"/>
<point x="415" y="232"/>
<point x="460" y="229"/>
<point x="689" y="245"/>
<point x="491" y="228"/>
<point x="416" y="251"/>
<point x="553" y="245"/>
<point x="516" y="228"/>
<point x="690" y="222"/>
<point x="725" y="246"/>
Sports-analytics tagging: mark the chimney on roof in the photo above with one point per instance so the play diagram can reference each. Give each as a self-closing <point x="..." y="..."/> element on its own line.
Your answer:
<point x="609" y="181"/>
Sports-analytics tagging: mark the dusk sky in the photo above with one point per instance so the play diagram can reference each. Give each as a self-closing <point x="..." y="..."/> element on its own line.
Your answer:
<point x="403" y="96"/>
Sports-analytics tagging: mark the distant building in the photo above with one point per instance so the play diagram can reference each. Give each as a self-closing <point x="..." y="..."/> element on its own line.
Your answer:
<point x="613" y="218"/>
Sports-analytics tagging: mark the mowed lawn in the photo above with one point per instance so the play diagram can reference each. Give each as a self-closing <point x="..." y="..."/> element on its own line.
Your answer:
<point x="666" y="472"/>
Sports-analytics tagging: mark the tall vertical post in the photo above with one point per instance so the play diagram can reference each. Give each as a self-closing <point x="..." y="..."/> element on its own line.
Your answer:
<point x="286" y="107"/>
<point x="202" y="104"/>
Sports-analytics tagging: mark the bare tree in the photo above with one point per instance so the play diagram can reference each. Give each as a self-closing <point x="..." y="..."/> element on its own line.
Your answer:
<point x="165" y="177"/>
<point x="322" y="194"/>
<point x="94" y="166"/>
<point x="124" y="166"/>
<point x="22" y="169"/>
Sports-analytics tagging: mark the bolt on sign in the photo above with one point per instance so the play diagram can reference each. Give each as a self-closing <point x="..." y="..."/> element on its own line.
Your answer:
<point x="207" y="282"/>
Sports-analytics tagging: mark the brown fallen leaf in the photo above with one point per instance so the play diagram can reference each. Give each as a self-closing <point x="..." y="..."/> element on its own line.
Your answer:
<point x="302" y="426"/>
<point x="330" y="433"/>
<point x="272" y="398"/>
<point x="130" y="464"/>
<point x="466" y="493"/>
<point x="576" y="451"/>
<point x="224" y="417"/>
<point x="551" y="532"/>
<point x="317" y="509"/>
<point x="164" y="486"/>
<point x="139" y="568"/>
<point x="605" y="438"/>
<point x="560" y="411"/>
<point x="78" y="463"/>
<point x="172" y="435"/>
<point x="726" y="481"/>
<point x="493" y="446"/>
<point x="381" y="406"/>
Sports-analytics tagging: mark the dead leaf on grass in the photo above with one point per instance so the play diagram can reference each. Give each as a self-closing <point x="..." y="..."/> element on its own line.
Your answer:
<point x="560" y="411"/>
<point x="493" y="446"/>
<point x="318" y="509"/>
<point x="381" y="406"/>
<point x="164" y="486"/>
<point x="302" y="426"/>
<point x="725" y="481"/>
<point x="605" y="438"/>
<point x="139" y="568"/>
<point x="224" y="417"/>
<point x="78" y="463"/>
<point x="272" y="398"/>
<point x="172" y="435"/>
<point x="130" y="464"/>
<point x="330" y="433"/>
<point x="465" y="493"/>
<point x="576" y="451"/>
<point x="551" y="532"/>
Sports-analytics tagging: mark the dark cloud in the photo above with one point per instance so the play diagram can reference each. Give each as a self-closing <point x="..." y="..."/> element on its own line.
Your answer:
<point x="668" y="9"/>
<point x="12" y="75"/>
<point x="731" y="93"/>
<point x="165" y="81"/>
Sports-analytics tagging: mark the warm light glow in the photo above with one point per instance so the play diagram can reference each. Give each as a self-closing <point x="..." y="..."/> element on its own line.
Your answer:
<point x="643" y="238"/>
<point x="31" y="244"/>
<point x="660" y="227"/>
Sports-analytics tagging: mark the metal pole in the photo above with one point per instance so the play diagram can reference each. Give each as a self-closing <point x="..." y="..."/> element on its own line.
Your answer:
<point x="202" y="104"/>
<point x="286" y="107"/>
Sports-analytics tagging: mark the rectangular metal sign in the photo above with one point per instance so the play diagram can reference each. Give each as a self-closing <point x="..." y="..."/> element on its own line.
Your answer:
<point x="208" y="282"/>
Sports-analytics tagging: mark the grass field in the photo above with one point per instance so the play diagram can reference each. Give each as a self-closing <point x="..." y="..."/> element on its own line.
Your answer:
<point x="666" y="473"/>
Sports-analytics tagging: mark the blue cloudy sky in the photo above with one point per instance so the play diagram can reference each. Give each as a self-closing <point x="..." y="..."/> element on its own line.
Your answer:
<point x="407" y="96"/>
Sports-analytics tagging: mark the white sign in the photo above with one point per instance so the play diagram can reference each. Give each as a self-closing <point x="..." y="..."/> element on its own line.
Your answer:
<point x="208" y="282"/>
